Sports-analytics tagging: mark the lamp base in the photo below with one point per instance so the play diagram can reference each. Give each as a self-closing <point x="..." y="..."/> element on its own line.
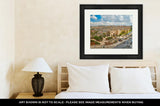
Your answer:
<point x="38" y="95"/>
<point x="37" y="84"/>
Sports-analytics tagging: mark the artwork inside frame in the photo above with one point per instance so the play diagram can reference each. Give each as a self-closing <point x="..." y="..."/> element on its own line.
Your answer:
<point x="111" y="31"/>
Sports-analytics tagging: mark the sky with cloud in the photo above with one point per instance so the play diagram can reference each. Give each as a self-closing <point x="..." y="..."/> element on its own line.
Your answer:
<point x="106" y="20"/>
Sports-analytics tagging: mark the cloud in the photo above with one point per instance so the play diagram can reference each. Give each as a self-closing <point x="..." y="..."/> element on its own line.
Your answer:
<point x="107" y="23"/>
<point x="107" y="20"/>
<point x="93" y="17"/>
<point x="131" y="19"/>
<point x="97" y="23"/>
<point x="121" y="18"/>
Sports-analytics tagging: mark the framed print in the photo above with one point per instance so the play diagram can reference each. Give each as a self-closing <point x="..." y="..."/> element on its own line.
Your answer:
<point x="111" y="31"/>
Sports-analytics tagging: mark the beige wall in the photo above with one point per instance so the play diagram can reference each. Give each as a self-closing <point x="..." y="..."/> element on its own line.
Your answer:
<point x="50" y="29"/>
<point x="6" y="46"/>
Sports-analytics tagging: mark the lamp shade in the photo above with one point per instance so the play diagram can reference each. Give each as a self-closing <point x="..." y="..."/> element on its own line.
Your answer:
<point x="37" y="65"/>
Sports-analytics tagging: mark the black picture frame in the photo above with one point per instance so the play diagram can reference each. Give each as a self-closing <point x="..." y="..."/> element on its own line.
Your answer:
<point x="138" y="7"/>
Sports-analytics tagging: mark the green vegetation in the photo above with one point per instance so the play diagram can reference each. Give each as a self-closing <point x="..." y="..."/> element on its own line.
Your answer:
<point x="94" y="32"/>
<point x="95" y="42"/>
<point x="98" y="38"/>
<point x="115" y="41"/>
<point x="104" y="35"/>
<point x="124" y="32"/>
<point x="109" y="38"/>
<point x="130" y="30"/>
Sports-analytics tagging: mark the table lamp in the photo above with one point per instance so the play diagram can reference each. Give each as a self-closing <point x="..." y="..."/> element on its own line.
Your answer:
<point x="37" y="65"/>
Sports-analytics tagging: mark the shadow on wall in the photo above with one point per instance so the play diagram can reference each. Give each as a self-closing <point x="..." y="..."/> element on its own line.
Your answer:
<point x="9" y="78"/>
<point x="6" y="79"/>
<point x="21" y="82"/>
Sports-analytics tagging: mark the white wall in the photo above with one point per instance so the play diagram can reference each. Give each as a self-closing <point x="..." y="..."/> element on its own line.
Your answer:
<point x="6" y="46"/>
<point x="50" y="29"/>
